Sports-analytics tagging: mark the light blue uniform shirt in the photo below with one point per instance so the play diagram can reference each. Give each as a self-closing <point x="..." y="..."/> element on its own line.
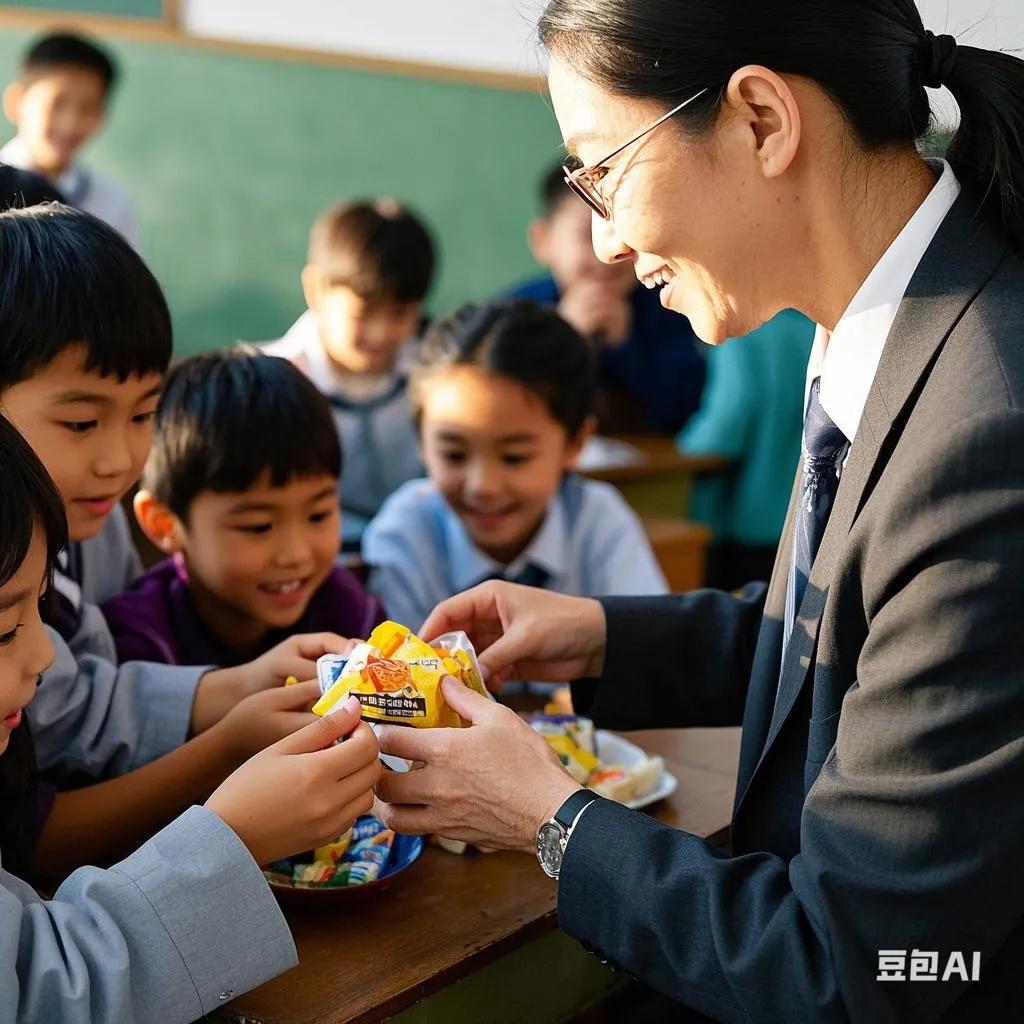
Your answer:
<point x="591" y="543"/>
<point x="172" y="932"/>
<point x="88" y="715"/>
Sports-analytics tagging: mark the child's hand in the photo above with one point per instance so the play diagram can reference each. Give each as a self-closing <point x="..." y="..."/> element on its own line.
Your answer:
<point x="303" y="791"/>
<point x="220" y="690"/>
<point x="268" y="716"/>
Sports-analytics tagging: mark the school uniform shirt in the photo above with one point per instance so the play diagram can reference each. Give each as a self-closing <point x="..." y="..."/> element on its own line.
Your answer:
<point x="154" y="938"/>
<point x="90" y="716"/>
<point x="380" y="450"/>
<point x="590" y="543"/>
<point x="157" y="620"/>
<point x="659" y="368"/>
<point x="85" y="189"/>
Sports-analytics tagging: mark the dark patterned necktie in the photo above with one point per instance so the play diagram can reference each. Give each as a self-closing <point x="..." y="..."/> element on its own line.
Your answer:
<point x="824" y="448"/>
<point x="530" y="576"/>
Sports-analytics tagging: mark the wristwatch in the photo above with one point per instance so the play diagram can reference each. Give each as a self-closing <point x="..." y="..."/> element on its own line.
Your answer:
<point x="553" y="835"/>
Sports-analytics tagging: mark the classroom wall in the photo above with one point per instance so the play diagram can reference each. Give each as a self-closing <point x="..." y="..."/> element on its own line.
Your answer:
<point x="231" y="157"/>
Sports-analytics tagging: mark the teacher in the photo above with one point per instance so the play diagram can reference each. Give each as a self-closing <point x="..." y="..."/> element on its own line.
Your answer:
<point x="762" y="156"/>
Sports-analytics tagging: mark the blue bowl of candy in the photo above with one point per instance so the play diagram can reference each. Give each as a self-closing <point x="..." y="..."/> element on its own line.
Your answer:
<point x="357" y="866"/>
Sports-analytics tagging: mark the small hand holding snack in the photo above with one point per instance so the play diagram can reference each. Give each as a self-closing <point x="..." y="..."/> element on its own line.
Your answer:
<point x="266" y="717"/>
<point x="303" y="791"/>
<point x="221" y="689"/>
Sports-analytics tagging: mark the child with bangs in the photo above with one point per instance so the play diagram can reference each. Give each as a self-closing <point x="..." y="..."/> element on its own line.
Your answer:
<point x="502" y="395"/>
<point x="241" y="491"/>
<point x="370" y="267"/>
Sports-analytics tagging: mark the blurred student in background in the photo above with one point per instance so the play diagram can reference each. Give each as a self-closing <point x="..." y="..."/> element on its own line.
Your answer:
<point x="57" y="104"/>
<point x="752" y="413"/>
<point x="370" y="267"/>
<point x="502" y="394"/>
<point x="650" y="364"/>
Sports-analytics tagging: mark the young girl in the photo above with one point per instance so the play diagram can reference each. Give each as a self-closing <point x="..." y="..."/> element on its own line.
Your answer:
<point x="156" y="936"/>
<point x="501" y="395"/>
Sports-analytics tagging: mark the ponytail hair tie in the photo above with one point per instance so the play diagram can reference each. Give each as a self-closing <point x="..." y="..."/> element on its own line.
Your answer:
<point x="937" y="60"/>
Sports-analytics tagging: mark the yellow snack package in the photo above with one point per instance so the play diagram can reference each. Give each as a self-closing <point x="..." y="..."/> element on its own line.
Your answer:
<point x="397" y="677"/>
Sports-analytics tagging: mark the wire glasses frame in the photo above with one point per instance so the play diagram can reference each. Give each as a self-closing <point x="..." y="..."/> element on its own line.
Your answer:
<point x="584" y="180"/>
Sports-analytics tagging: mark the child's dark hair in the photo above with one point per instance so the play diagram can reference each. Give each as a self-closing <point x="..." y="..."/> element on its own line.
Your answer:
<point x="553" y="190"/>
<point x="226" y="417"/>
<point x="69" y="279"/>
<point x="28" y="501"/>
<point x="64" y="50"/>
<point x="379" y="249"/>
<point x="19" y="189"/>
<point x="519" y="339"/>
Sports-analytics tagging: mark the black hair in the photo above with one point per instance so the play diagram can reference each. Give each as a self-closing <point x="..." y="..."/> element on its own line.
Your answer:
<point x="873" y="57"/>
<point x="519" y="339"/>
<point x="380" y="250"/>
<point x="63" y="50"/>
<point x="19" y="189"/>
<point x="553" y="191"/>
<point x="28" y="501"/>
<point x="226" y="417"/>
<point x="69" y="279"/>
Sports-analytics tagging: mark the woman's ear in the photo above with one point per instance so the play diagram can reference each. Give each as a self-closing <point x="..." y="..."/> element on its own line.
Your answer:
<point x="158" y="522"/>
<point x="769" y="114"/>
<point x="577" y="443"/>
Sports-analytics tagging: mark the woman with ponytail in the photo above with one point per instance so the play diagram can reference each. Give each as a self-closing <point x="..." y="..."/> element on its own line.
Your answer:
<point x="746" y="158"/>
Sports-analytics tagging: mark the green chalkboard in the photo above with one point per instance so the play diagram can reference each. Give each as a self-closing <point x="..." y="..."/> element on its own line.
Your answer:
<point x="231" y="157"/>
<point x="119" y="8"/>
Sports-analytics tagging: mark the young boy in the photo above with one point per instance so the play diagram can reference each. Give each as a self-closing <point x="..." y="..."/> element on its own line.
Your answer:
<point x="651" y="369"/>
<point x="370" y="266"/>
<point x="58" y="102"/>
<point x="241" y="489"/>
<point x="85" y="337"/>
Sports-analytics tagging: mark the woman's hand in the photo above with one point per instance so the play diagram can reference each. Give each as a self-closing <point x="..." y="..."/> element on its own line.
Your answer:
<point x="524" y="633"/>
<point x="304" y="790"/>
<point x="494" y="783"/>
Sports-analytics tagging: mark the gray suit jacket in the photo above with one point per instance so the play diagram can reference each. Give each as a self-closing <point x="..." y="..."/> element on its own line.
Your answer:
<point x="879" y="791"/>
<point x="172" y="932"/>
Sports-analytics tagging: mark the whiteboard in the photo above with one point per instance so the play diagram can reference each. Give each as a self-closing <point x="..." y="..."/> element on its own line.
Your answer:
<point x="489" y="35"/>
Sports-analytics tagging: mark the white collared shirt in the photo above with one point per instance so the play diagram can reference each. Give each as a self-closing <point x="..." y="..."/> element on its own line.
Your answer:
<point x="847" y="360"/>
<point x="85" y="189"/>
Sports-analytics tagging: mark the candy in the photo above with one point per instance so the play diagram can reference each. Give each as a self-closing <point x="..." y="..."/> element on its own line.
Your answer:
<point x="397" y="677"/>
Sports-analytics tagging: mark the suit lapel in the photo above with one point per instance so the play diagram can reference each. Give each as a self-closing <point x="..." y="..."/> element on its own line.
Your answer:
<point x="962" y="257"/>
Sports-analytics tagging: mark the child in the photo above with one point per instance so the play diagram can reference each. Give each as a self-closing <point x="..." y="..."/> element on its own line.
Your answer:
<point x="23" y="188"/>
<point x="241" y="489"/>
<point x="370" y="266"/>
<point x="85" y="338"/>
<point x="501" y="394"/>
<point x="651" y="367"/>
<point x="58" y="103"/>
<point x="157" y="937"/>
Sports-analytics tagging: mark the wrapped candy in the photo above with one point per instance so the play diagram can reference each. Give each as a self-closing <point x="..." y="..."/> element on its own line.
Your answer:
<point x="397" y="677"/>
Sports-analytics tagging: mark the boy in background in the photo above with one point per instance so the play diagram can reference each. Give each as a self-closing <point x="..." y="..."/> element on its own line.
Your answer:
<point x="370" y="267"/>
<point x="650" y="367"/>
<point x="57" y="103"/>
<point x="241" y="490"/>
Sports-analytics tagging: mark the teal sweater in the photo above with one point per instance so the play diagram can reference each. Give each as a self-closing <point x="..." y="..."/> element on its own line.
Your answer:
<point x="752" y="413"/>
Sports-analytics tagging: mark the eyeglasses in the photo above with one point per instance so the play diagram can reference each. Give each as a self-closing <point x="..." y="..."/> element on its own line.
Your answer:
<point x="584" y="180"/>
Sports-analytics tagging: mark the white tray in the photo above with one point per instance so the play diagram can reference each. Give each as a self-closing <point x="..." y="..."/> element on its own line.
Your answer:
<point x="614" y="749"/>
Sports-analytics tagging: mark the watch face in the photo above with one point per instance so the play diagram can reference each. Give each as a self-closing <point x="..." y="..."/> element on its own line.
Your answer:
<point x="549" y="848"/>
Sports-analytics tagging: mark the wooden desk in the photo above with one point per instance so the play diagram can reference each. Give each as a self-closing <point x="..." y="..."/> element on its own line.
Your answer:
<point x="476" y="933"/>
<point x="659" y="484"/>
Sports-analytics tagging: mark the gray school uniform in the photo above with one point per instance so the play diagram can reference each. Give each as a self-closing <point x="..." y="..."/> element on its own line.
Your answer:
<point x="379" y="445"/>
<point x="88" y="715"/>
<point x="169" y="934"/>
